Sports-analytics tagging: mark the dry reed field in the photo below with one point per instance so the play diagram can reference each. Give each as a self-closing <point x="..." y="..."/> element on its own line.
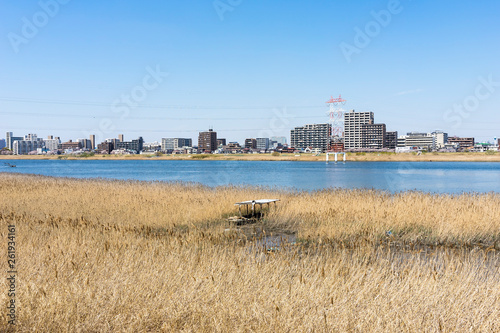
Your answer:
<point x="130" y="256"/>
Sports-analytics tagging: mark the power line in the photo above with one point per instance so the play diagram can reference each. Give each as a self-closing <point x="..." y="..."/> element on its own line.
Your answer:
<point x="195" y="107"/>
<point x="32" y="114"/>
<point x="146" y="130"/>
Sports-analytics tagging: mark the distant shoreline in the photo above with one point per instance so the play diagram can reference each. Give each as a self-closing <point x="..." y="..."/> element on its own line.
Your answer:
<point x="351" y="157"/>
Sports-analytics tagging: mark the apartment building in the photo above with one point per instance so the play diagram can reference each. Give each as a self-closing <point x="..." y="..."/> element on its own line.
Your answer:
<point x="463" y="143"/>
<point x="175" y="143"/>
<point x="353" y="122"/>
<point x="391" y="139"/>
<point x="311" y="136"/>
<point x="52" y="144"/>
<point x="251" y="143"/>
<point x="135" y="145"/>
<point x="262" y="143"/>
<point x="207" y="141"/>
<point x="373" y="136"/>
<point x="10" y="139"/>
<point x="23" y="147"/>
<point x="106" y="147"/>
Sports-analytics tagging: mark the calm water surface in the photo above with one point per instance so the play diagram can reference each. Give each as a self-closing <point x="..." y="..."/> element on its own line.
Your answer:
<point x="441" y="177"/>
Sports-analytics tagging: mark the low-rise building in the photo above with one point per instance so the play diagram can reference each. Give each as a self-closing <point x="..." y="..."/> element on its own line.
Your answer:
<point x="251" y="143"/>
<point x="70" y="145"/>
<point x="424" y="141"/>
<point x="152" y="146"/>
<point x="169" y="144"/>
<point x="105" y="147"/>
<point x="463" y="143"/>
<point x="134" y="145"/>
<point x="233" y="147"/>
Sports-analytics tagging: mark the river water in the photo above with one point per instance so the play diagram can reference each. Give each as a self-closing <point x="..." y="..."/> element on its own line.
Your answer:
<point x="437" y="177"/>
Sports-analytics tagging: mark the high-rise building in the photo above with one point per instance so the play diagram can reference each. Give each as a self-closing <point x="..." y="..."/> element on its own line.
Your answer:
<point x="262" y="143"/>
<point x="391" y="139"/>
<point x="207" y="141"/>
<point x="31" y="137"/>
<point x="221" y="142"/>
<point x="441" y="139"/>
<point x="175" y="143"/>
<point x="92" y="141"/>
<point x="10" y="139"/>
<point x="251" y="143"/>
<point x="23" y="147"/>
<point x="52" y="144"/>
<point x="373" y="136"/>
<point x="2" y="143"/>
<point x="353" y="122"/>
<point x="311" y="136"/>
<point x="120" y="137"/>
<point x="85" y="143"/>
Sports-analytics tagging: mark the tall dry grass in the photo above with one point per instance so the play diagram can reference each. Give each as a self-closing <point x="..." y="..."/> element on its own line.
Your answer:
<point x="412" y="217"/>
<point x="101" y="255"/>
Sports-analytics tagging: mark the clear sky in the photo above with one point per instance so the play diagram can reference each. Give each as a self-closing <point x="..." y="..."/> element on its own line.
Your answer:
<point x="246" y="68"/>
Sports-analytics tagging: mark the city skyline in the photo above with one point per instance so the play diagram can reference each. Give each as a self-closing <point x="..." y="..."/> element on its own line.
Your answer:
<point x="249" y="69"/>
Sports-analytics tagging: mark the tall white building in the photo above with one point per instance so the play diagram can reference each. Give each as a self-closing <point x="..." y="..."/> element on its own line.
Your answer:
<point x="353" y="123"/>
<point x="23" y="147"/>
<point x="441" y="139"/>
<point x="52" y="144"/>
<point x="10" y="139"/>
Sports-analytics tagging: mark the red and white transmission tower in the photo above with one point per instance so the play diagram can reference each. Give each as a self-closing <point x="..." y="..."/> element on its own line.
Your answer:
<point x="336" y="115"/>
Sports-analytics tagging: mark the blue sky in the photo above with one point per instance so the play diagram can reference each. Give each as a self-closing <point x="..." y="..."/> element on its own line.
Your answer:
<point x="246" y="68"/>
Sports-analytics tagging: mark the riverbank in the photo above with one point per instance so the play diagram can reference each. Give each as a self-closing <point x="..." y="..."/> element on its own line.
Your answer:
<point x="353" y="157"/>
<point x="153" y="256"/>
